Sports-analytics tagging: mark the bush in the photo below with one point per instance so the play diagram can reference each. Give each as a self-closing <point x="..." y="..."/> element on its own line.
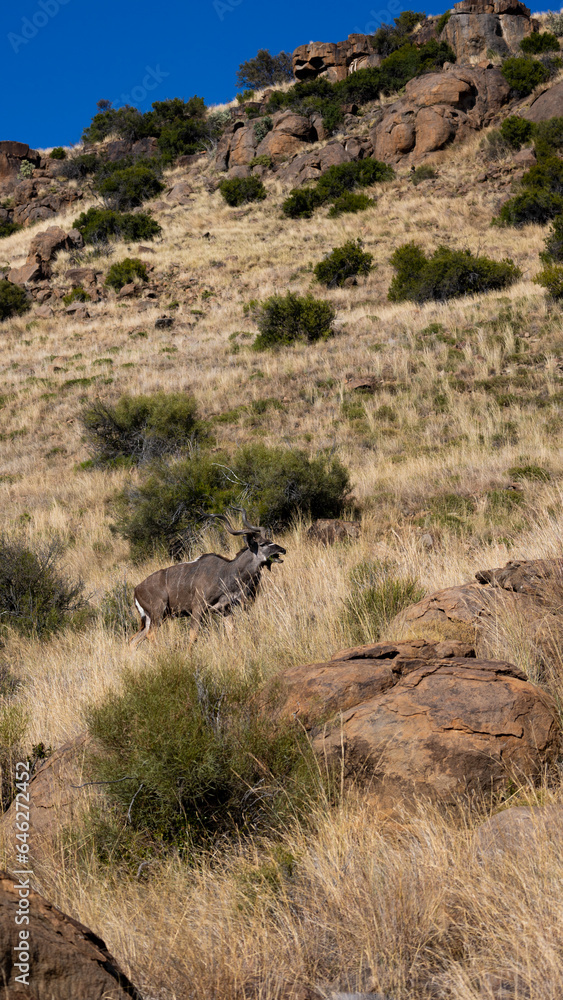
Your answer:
<point x="516" y="131"/>
<point x="548" y="137"/>
<point x="265" y="70"/>
<point x="376" y="596"/>
<point x="343" y="262"/>
<point x="494" y="147"/>
<point x="179" y="126"/>
<point x="442" y="21"/>
<point x="35" y="597"/>
<point x="360" y="87"/>
<point x="388" y="38"/>
<point x="276" y="485"/>
<point x="241" y="190"/>
<point x="555" y="22"/>
<point x="337" y="182"/>
<point x="523" y="74"/>
<point x="124" y="271"/>
<point x="58" y="153"/>
<point x="128" y="187"/>
<point x="350" y="202"/>
<point x="282" y="319"/>
<point x="539" y="42"/>
<point x="99" y="225"/>
<point x="554" y="242"/>
<point x="7" y="228"/>
<point x="551" y="278"/>
<point x="423" y="173"/>
<point x="446" y="274"/>
<point x="14" y="300"/>
<point x="203" y="759"/>
<point x="76" y="295"/>
<point x="140" y="428"/>
<point x="78" y="167"/>
<point x="533" y="206"/>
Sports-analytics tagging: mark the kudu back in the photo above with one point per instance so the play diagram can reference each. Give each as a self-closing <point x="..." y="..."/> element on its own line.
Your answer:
<point x="209" y="583"/>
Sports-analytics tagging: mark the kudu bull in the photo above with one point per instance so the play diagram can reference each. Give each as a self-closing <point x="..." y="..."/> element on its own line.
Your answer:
<point x="209" y="583"/>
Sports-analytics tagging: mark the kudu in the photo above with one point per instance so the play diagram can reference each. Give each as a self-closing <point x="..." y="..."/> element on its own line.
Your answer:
<point x="209" y="583"/>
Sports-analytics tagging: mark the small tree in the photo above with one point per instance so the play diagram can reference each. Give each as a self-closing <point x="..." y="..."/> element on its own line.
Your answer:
<point x="265" y="70"/>
<point x="446" y="274"/>
<point x="140" y="428"/>
<point x="344" y="262"/>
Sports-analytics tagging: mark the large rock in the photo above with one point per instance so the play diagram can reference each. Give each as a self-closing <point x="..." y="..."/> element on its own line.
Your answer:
<point x="335" y="60"/>
<point x="437" y="109"/>
<point x="412" y="718"/>
<point x="240" y="144"/>
<point x="12" y="155"/>
<point x="477" y="26"/>
<point x="46" y="245"/>
<point x="521" y="829"/>
<point x="536" y="577"/>
<point x="547" y="105"/>
<point x="55" y="796"/>
<point x="65" y="960"/>
<point x="27" y="272"/>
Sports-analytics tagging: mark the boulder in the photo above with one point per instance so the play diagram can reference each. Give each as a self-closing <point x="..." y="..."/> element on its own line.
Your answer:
<point x="54" y="797"/>
<point x="335" y="60"/>
<point x="279" y="145"/>
<point x="180" y="193"/>
<point x="66" y="960"/>
<point x="521" y="829"/>
<point x="477" y="26"/>
<point x="327" y="531"/>
<point x="28" y="272"/>
<point x="45" y="246"/>
<point x="419" y="718"/>
<point x="243" y="147"/>
<point x="547" y="105"/>
<point x="535" y="577"/>
<point x="85" y="276"/>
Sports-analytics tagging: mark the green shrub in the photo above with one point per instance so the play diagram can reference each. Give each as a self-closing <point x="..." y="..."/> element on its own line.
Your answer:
<point x="202" y="759"/>
<point x="360" y="87"/>
<point x="523" y="74"/>
<point x="551" y="278"/>
<point x="265" y="70"/>
<point x="261" y="161"/>
<point x="554" y="242"/>
<point x="241" y="190"/>
<point x="548" y="137"/>
<point x="35" y="596"/>
<point x="531" y="206"/>
<point x="423" y="173"/>
<point x="26" y="169"/>
<point x="376" y="596"/>
<point x="139" y="428"/>
<point x="58" y="153"/>
<point x="99" y="225"/>
<point x="180" y="127"/>
<point x="534" y="473"/>
<point x="7" y="228"/>
<point x="14" y="724"/>
<point x="301" y="203"/>
<point x="14" y="300"/>
<point x="128" y="187"/>
<point x="337" y="182"/>
<point x="451" y="510"/>
<point x="350" y="202"/>
<point x="167" y="508"/>
<point x="76" y="295"/>
<point x="343" y="262"/>
<point x="516" y="131"/>
<point x="262" y="127"/>
<point x="388" y="38"/>
<point x="539" y="42"/>
<point x="124" y="271"/>
<point x="78" y="167"/>
<point x="446" y="274"/>
<point x="247" y="95"/>
<point x="282" y="319"/>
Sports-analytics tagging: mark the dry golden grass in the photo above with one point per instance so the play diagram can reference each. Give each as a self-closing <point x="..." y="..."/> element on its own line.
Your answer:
<point x="365" y="903"/>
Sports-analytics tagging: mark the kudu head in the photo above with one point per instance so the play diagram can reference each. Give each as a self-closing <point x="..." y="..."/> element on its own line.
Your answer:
<point x="265" y="550"/>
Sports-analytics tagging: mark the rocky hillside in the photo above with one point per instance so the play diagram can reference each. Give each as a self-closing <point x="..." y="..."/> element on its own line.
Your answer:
<point x="317" y="305"/>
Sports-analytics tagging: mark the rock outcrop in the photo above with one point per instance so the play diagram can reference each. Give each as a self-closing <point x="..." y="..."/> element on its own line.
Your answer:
<point x="242" y="141"/>
<point x="43" y="249"/>
<point x="65" y="959"/>
<point x="335" y="60"/>
<point x="518" y="830"/>
<point x="464" y="612"/>
<point x="419" y="718"/>
<point x="477" y="27"/>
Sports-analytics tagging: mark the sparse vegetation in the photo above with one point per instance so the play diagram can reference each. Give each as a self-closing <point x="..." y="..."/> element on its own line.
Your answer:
<point x="344" y="262"/>
<point x="446" y="274"/>
<point x="423" y="173"/>
<point x="283" y="319"/>
<point x="241" y="190"/>
<point x="7" y="228"/>
<point x="336" y="185"/>
<point x="377" y="594"/>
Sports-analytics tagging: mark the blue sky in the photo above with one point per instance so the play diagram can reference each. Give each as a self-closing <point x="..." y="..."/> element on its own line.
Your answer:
<point x="59" y="57"/>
